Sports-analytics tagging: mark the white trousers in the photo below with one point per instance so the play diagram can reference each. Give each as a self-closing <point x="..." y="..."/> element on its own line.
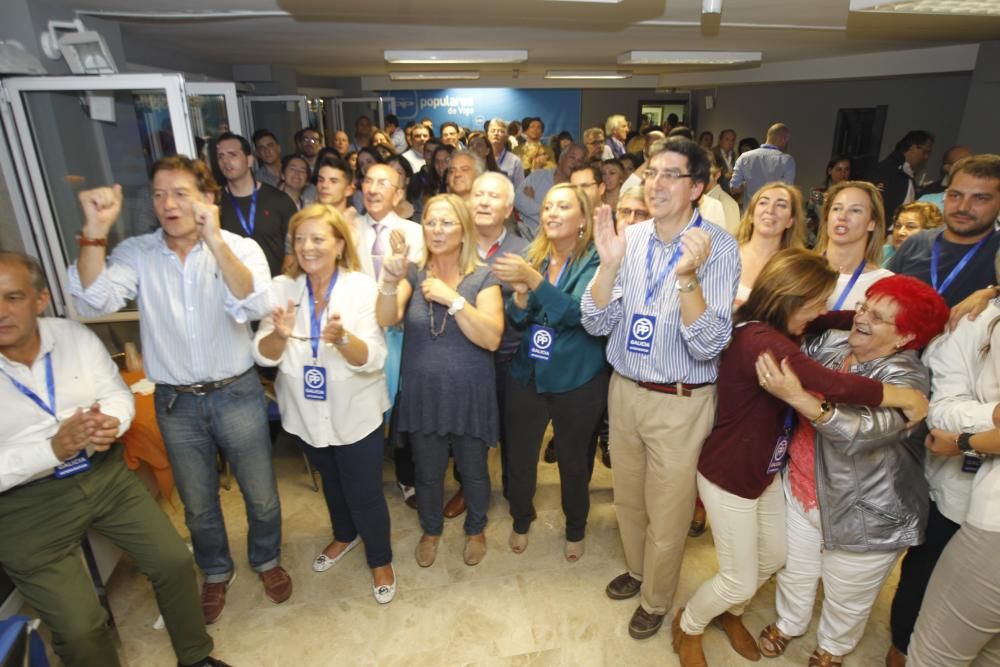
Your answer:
<point x="851" y="582"/>
<point x="750" y="544"/>
<point x="960" y="618"/>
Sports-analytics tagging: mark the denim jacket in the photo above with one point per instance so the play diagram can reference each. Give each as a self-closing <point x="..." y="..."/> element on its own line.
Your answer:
<point x="869" y="474"/>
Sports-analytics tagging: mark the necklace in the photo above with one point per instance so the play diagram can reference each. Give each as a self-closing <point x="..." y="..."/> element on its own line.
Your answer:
<point x="430" y="315"/>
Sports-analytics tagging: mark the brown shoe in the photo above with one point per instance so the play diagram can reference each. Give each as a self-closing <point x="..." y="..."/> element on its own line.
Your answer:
<point x="895" y="657"/>
<point x="644" y="624"/>
<point x="475" y="549"/>
<point x="277" y="584"/>
<point x="455" y="506"/>
<point x="739" y="637"/>
<point x="213" y="598"/>
<point x="697" y="522"/>
<point x="623" y="587"/>
<point x="427" y="550"/>
<point x="687" y="647"/>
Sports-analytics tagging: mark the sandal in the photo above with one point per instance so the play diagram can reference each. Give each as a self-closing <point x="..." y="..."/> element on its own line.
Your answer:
<point x="821" y="658"/>
<point x="771" y="642"/>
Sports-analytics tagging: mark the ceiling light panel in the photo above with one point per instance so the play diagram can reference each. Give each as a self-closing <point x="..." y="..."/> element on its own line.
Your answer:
<point x="454" y="56"/>
<point x="688" y="57"/>
<point x="586" y="74"/>
<point x="936" y="7"/>
<point x="431" y="76"/>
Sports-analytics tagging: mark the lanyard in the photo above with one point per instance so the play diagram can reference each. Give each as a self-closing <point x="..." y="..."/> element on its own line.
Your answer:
<point x="936" y="253"/>
<point x="789" y="421"/>
<point x="247" y="226"/>
<point x="49" y="381"/>
<point x="314" y="323"/>
<point x="562" y="270"/>
<point x="850" y="285"/>
<point x="653" y="287"/>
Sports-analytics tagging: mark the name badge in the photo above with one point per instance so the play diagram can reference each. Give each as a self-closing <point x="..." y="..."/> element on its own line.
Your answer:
<point x="72" y="466"/>
<point x="640" y="334"/>
<point x="314" y="383"/>
<point x="542" y="339"/>
<point x="779" y="456"/>
<point x="971" y="463"/>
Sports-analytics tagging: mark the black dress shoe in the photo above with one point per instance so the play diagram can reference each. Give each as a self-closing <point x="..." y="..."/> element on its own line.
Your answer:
<point x="209" y="661"/>
<point x="644" y="624"/>
<point x="550" y="451"/>
<point x="623" y="587"/>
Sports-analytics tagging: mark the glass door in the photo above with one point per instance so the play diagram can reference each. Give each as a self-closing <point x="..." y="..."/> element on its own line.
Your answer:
<point x="214" y="109"/>
<point x="284" y="115"/>
<point x="350" y="109"/>
<point x="73" y="133"/>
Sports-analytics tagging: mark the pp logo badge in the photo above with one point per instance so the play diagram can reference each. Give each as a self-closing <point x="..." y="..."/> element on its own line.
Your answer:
<point x="640" y="333"/>
<point x="542" y="339"/>
<point x="315" y="378"/>
<point x="314" y="383"/>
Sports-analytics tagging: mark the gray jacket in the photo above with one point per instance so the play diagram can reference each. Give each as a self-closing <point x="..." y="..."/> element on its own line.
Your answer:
<point x="869" y="475"/>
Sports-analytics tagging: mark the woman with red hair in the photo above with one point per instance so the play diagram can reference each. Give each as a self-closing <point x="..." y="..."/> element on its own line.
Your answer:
<point x="855" y="489"/>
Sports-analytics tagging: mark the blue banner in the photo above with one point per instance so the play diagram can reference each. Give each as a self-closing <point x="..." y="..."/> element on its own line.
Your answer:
<point x="472" y="107"/>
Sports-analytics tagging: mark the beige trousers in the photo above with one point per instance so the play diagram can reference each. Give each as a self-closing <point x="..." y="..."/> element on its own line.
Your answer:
<point x="655" y="442"/>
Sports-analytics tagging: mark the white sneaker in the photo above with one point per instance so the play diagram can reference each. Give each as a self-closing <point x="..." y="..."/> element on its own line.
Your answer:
<point x="385" y="594"/>
<point x="324" y="562"/>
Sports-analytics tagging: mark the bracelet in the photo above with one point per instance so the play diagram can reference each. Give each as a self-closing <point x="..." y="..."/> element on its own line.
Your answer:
<point x="85" y="241"/>
<point x="343" y="340"/>
<point x="826" y="411"/>
<point x="385" y="291"/>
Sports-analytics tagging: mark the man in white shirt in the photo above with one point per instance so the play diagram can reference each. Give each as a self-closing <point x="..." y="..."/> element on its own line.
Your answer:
<point x="770" y="162"/>
<point x="197" y="288"/>
<point x="465" y="167"/>
<point x="415" y="154"/>
<point x="61" y="474"/>
<point x="529" y="197"/>
<point x="730" y="209"/>
<point x="510" y="164"/>
<point x="382" y="192"/>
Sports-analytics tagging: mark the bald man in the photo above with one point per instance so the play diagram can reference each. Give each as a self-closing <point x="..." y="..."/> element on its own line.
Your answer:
<point x="770" y="162"/>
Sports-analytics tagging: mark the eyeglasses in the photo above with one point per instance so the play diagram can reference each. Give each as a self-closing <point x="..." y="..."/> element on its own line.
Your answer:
<point x="445" y="225"/>
<point x="592" y="184"/>
<point x="668" y="175"/>
<point x="862" y="308"/>
<point x="380" y="182"/>
<point x="637" y="212"/>
<point x="310" y="140"/>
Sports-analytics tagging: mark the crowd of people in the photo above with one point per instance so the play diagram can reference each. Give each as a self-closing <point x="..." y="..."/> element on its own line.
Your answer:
<point x="814" y="376"/>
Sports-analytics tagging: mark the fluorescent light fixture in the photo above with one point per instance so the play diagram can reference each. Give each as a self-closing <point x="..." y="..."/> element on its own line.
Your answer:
<point x="688" y="57"/>
<point x="454" y="56"/>
<point x="585" y="74"/>
<point x="591" y="2"/>
<point x="430" y="76"/>
<point x="711" y="6"/>
<point x="937" y="7"/>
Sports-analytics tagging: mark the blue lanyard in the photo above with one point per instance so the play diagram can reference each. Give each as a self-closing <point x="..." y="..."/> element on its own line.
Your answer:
<point x="562" y="270"/>
<point x="850" y="285"/>
<point x="49" y="380"/>
<point x="247" y="226"/>
<point x="935" y="256"/>
<point x="789" y="421"/>
<point x="653" y="287"/>
<point x="314" y="323"/>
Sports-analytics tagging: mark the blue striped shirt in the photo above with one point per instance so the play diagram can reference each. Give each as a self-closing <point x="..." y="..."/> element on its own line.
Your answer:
<point x="193" y="329"/>
<point x="680" y="353"/>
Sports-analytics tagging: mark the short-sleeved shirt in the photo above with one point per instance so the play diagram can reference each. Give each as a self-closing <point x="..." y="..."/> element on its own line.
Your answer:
<point x="913" y="258"/>
<point x="447" y="382"/>
<point x="270" y="223"/>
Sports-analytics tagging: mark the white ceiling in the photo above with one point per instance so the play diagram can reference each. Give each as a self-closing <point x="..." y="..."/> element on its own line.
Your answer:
<point x="338" y="38"/>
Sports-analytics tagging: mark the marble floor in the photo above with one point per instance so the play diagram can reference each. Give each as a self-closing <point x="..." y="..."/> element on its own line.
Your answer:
<point x="529" y="609"/>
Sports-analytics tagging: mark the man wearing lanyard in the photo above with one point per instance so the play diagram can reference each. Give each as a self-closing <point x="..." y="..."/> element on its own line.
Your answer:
<point x="664" y="297"/>
<point x="509" y="163"/>
<point x="197" y="288"/>
<point x="771" y="162"/>
<point x="958" y="261"/>
<point x="61" y="475"/>
<point x="251" y="208"/>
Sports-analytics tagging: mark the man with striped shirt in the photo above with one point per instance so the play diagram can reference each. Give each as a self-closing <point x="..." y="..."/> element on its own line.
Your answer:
<point x="197" y="288"/>
<point x="663" y="296"/>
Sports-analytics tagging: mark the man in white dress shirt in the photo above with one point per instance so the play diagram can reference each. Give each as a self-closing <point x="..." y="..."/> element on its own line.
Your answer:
<point x="61" y="474"/>
<point x="197" y="288"/>
<point x="415" y="154"/>
<point x="509" y="163"/>
<point x="382" y="192"/>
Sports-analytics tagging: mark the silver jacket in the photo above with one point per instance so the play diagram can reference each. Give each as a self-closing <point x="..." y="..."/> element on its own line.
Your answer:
<point x="869" y="475"/>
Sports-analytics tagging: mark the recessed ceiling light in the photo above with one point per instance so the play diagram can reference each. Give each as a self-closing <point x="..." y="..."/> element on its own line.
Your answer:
<point x="430" y="76"/>
<point x="585" y="74"/>
<point x="688" y="57"/>
<point x="455" y="56"/>
<point x="937" y="7"/>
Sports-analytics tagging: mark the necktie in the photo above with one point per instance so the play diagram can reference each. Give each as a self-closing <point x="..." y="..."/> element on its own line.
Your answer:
<point x="378" y="250"/>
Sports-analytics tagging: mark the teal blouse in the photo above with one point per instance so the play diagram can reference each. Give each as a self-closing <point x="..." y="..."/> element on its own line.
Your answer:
<point x="575" y="356"/>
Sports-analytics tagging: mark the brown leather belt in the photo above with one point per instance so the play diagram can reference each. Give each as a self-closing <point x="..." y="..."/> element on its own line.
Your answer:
<point x="202" y="388"/>
<point x="676" y="388"/>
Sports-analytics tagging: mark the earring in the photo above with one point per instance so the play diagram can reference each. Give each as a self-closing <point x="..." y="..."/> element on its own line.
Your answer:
<point x="580" y="234"/>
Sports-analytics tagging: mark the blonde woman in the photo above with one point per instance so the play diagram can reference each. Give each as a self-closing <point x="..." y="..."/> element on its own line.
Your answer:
<point x="329" y="350"/>
<point x="851" y="234"/>
<point x="453" y="314"/>
<point x="558" y="373"/>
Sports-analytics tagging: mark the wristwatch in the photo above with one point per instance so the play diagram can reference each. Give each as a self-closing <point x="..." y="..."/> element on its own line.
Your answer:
<point x="964" y="443"/>
<point x="456" y="305"/>
<point x="687" y="286"/>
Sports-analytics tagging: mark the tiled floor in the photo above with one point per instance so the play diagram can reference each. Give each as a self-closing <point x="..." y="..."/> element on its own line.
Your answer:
<point x="528" y="609"/>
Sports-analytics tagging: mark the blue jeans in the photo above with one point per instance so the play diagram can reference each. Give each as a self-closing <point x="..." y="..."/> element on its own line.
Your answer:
<point x="430" y="454"/>
<point x="232" y="420"/>
<point x="352" y="486"/>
